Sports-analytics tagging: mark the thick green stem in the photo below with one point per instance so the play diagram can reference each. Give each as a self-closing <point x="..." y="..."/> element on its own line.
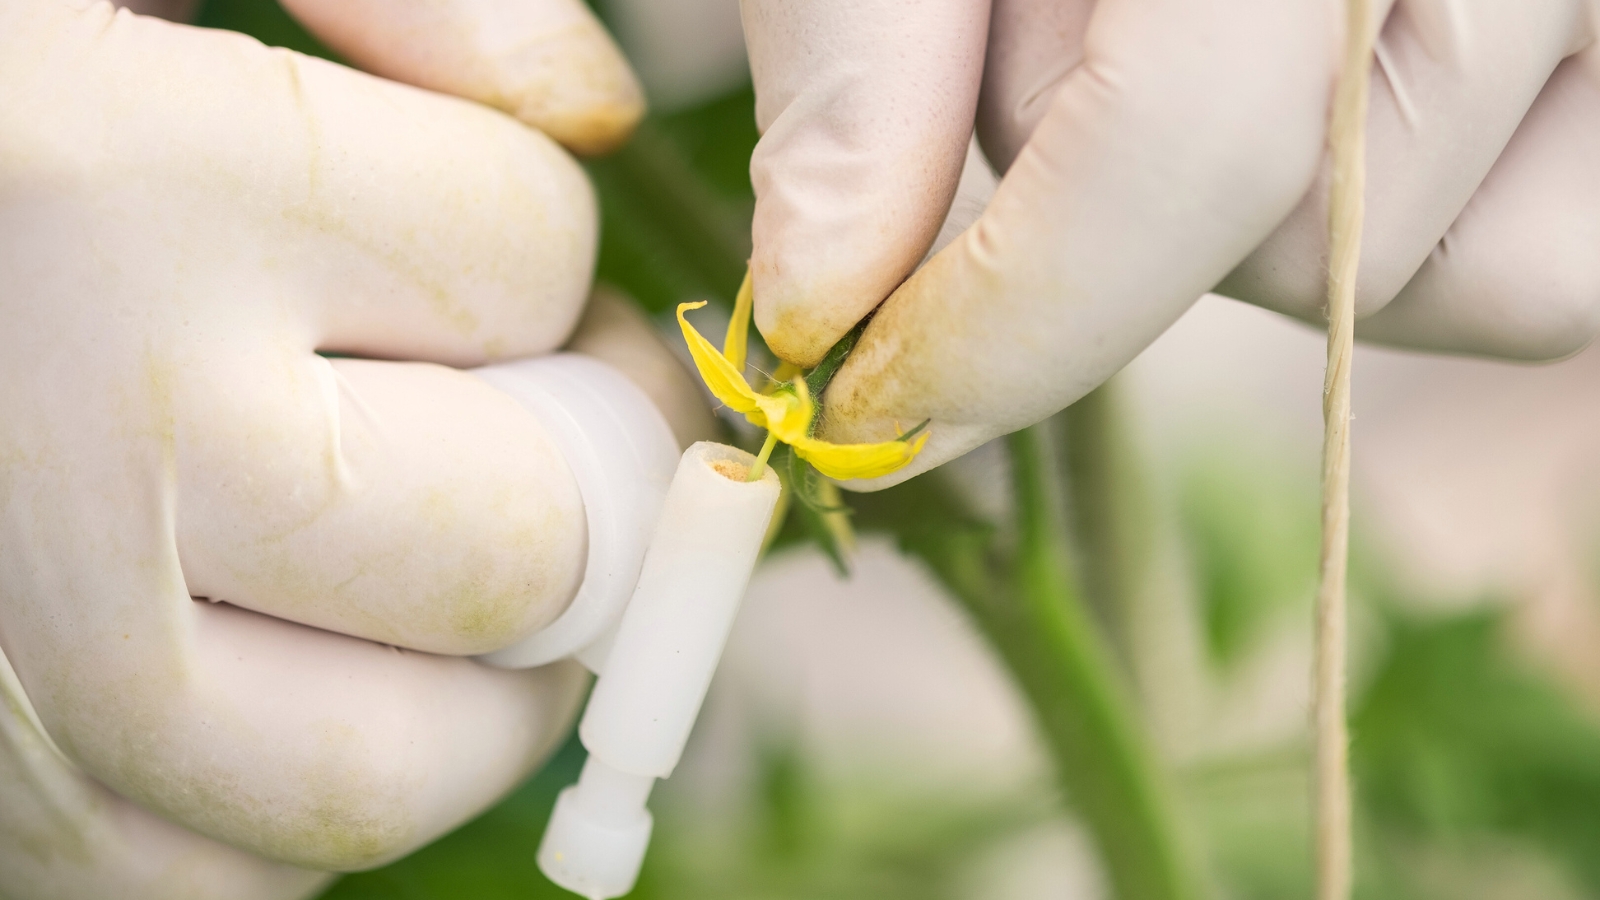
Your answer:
<point x="1109" y="511"/>
<point x="1043" y="629"/>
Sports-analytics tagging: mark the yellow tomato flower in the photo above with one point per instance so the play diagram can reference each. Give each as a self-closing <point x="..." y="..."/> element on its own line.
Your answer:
<point x="787" y="412"/>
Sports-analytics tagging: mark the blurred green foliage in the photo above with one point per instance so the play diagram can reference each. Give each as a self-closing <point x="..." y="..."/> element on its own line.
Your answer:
<point x="791" y="839"/>
<point x="263" y="20"/>
<point x="1457" y="739"/>
<point x="796" y="839"/>
<point x="675" y="205"/>
<point x="1478" y="776"/>
<point x="1252" y="539"/>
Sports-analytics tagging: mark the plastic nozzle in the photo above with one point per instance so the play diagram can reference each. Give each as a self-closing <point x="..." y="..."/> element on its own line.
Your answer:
<point x="598" y="832"/>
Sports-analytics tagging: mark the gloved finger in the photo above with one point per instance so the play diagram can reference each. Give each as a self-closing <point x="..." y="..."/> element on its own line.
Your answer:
<point x="973" y="192"/>
<point x="1184" y="137"/>
<point x="406" y="503"/>
<point x="431" y="228"/>
<point x="1518" y="274"/>
<point x="314" y="749"/>
<point x="1450" y="82"/>
<point x="350" y="213"/>
<point x="550" y="63"/>
<point x="865" y="108"/>
<point x="62" y="834"/>
<point x="1033" y="45"/>
<point x="438" y="230"/>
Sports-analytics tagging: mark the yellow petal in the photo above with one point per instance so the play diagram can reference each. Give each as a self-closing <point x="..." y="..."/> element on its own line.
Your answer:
<point x="795" y="423"/>
<point x="724" y="379"/>
<point x="788" y="414"/>
<point x="778" y="413"/>
<point x="737" y="342"/>
<point x="787" y="371"/>
<point x="845" y="461"/>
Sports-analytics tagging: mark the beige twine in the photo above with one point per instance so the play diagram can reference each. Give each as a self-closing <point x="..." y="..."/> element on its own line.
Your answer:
<point x="1347" y="137"/>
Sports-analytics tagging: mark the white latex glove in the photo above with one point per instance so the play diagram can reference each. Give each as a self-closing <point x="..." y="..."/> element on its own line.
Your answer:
<point x="1150" y="148"/>
<point x="186" y="217"/>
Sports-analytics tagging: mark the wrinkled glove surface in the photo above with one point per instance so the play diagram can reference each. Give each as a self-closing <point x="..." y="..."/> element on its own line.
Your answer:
<point x="188" y="220"/>
<point x="1153" y="150"/>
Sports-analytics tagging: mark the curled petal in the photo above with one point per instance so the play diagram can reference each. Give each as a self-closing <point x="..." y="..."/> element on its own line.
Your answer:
<point x="846" y="461"/>
<point x="720" y="375"/>
<point x="736" y="345"/>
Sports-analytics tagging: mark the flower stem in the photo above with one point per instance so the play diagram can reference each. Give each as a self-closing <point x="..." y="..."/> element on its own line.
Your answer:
<point x="1055" y="649"/>
<point x="760" y="467"/>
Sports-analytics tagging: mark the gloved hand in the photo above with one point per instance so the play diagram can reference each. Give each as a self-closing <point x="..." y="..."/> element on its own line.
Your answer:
<point x="1153" y="151"/>
<point x="186" y="218"/>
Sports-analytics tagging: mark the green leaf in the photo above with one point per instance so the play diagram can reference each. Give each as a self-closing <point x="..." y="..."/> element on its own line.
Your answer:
<point x="1457" y="738"/>
<point x="1253" y="535"/>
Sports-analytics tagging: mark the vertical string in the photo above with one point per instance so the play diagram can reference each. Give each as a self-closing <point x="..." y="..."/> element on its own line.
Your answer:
<point x="1347" y="137"/>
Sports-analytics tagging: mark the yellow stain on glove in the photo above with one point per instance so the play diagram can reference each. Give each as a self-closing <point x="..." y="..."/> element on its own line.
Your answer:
<point x="787" y="412"/>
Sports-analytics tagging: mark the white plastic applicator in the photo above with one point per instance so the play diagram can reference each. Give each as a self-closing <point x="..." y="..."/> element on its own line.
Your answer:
<point x="671" y="545"/>
<point x="656" y="675"/>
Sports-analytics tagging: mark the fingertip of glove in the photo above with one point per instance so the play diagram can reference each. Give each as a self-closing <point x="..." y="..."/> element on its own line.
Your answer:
<point x="795" y="333"/>
<point x="801" y="321"/>
<point x="551" y="65"/>
<point x="592" y="129"/>
<point x="574" y="85"/>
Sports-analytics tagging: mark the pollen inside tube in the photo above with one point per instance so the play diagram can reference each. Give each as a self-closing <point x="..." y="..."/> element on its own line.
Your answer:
<point x="731" y="470"/>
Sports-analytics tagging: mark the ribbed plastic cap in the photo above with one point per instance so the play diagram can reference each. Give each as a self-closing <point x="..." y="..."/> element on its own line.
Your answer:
<point x="598" y="833"/>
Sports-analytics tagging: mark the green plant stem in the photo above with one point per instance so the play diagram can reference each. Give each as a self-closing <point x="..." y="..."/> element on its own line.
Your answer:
<point x="1048" y="638"/>
<point x="1109" y="511"/>
<point x="1066" y="668"/>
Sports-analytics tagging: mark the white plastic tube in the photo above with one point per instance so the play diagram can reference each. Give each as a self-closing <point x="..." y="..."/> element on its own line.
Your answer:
<point x="667" y="568"/>
<point x="671" y="636"/>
